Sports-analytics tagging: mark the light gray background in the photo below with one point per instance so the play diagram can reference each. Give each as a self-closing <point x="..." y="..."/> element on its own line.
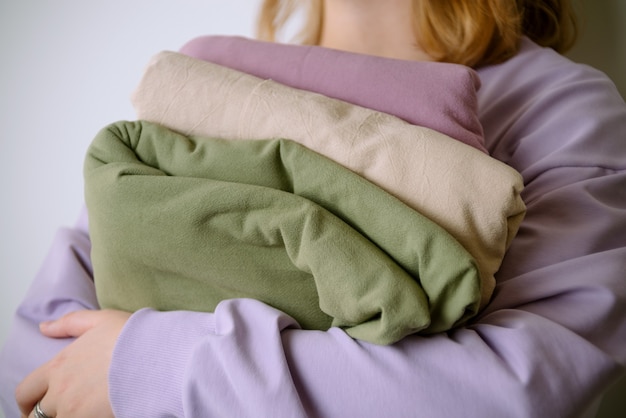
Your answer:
<point x="68" y="68"/>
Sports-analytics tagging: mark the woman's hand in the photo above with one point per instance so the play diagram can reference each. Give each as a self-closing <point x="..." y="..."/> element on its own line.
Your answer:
<point x="75" y="382"/>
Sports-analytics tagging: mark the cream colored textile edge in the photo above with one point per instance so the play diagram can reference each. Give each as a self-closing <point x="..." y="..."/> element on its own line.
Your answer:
<point x="473" y="196"/>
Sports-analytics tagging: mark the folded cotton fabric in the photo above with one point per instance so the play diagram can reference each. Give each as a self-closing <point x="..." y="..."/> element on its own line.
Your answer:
<point x="436" y="95"/>
<point x="183" y="222"/>
<point x="471" y="195"/>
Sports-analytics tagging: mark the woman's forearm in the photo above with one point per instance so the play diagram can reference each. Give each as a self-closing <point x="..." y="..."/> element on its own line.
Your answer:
<point x="63" y="284"/>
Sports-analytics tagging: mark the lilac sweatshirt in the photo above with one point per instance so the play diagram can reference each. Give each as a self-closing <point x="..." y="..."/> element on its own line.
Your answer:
<point x="552" y="340"/>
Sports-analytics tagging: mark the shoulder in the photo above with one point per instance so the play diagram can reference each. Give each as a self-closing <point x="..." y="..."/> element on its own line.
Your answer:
<point x="540" y="107"/>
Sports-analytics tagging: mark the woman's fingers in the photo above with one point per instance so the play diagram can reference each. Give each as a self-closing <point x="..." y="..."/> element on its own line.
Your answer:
<point x="77" y="323"/>
<point x="43" y="409"/>
<point x="35" y="386"/>
<point x="73" y="324"/>
<point x="75" y="382"/>
<point x="32" y="389"/>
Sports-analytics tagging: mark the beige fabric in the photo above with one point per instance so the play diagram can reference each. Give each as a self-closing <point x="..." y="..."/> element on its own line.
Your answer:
<point x="473" y="196"/>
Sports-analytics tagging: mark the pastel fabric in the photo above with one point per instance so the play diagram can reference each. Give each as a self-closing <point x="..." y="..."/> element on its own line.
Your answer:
<point x="430" y="94"/>
<point x="549" y="344"/>
<point x="473" y="196"/>
<point x="181" y="222"/>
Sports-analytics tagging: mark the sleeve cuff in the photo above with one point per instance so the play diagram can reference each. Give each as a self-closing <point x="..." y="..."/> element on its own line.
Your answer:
<point x="150" y="361"/>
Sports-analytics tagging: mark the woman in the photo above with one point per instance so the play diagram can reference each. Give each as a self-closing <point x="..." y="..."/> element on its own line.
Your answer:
<point x="549" y="344"/>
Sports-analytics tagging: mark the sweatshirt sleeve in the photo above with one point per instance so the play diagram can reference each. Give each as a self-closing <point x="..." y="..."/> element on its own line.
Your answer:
<point x="62" y="285"/>
<point x="548" y="345"/>
<point x="541" y="356"/>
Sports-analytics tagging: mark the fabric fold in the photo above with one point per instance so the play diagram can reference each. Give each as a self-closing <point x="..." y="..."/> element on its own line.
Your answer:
<point x="470" y="194"/>
<point x="436" y="95"/>
<point x="182" y="222"/>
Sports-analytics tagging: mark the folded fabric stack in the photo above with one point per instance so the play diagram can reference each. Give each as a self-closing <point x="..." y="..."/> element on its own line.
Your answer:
<point x="318" y="202"/>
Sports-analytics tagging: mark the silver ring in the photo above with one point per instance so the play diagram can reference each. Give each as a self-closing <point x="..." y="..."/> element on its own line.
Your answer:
<point x="39" y="412"/>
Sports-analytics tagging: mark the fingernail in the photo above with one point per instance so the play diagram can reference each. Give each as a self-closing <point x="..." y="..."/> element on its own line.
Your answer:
<point x="44" y="324"/>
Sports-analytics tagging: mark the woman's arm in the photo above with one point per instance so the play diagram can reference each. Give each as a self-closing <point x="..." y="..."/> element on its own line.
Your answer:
<point x="548" y="350"/>
<point x="62" y="285"/>
<point x="549" y="344"/>
<point x="551" y="341"/>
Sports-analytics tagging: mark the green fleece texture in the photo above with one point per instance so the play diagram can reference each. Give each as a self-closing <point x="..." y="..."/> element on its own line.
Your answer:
<point x="182" y="223"/>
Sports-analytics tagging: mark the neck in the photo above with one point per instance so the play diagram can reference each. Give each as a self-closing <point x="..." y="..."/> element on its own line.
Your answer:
<point x="373" y="27"/>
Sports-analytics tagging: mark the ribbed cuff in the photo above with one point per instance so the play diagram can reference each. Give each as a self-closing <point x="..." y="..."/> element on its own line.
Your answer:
<point x="150" y="359"/>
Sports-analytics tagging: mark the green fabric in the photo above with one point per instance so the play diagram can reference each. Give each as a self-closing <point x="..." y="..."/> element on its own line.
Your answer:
<point x="181" y="222"/>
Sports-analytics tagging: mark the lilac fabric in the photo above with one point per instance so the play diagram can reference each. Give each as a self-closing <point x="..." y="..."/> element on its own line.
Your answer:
<point x="431" y="94"/>
<point x="62" y="285"/>
<point x="551" y="341"/>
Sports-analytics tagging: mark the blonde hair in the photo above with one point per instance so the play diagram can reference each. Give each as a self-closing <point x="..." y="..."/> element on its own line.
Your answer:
<point x="469" y="32"/>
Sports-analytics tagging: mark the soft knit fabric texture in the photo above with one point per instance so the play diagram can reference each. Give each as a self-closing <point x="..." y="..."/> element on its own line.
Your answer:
<point x="185" y="222"/>
<point x="549" y="344"/>
<point x="471" y="195"/>
<point x="431" y="94"/>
